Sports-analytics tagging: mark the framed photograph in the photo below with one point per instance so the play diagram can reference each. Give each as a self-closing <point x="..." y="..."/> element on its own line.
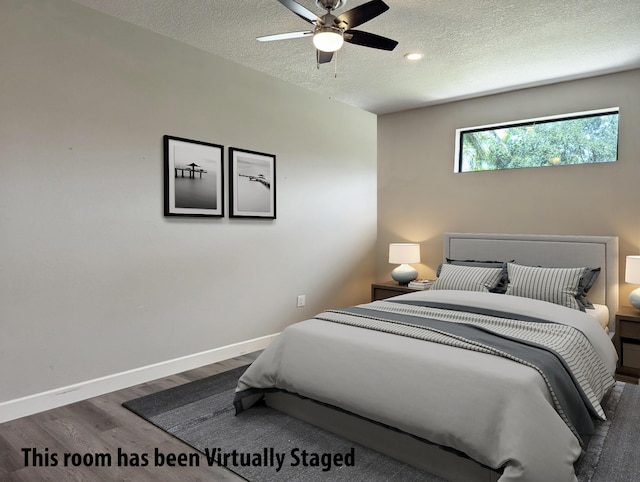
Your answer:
<point x="252" y="184"/>
<point x="193" y="178"/>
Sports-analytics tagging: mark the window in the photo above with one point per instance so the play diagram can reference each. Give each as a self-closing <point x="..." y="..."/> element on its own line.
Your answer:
<point x="580" y="138"/>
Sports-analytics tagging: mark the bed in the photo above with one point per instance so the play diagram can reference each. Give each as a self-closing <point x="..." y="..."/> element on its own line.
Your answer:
<point x="465" y="383"/>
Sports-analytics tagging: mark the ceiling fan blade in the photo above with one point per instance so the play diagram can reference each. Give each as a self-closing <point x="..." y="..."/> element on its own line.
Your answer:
<point x="367" y="39"/>
<point x="300" y="11"/>
<point x="363" y="13"/>
<point x="284" y="36"/>
<point x="323" y="57"/>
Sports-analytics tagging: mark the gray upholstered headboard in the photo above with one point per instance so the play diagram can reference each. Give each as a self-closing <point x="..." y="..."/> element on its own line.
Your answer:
<point x="550" y="251"/>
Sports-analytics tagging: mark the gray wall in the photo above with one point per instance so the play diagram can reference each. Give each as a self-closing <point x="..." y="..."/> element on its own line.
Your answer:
<point x="93" y="279"/>
<point x="420" y="197"/>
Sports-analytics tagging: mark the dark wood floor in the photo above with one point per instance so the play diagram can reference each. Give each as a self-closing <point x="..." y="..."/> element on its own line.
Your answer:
<point x="101" y="425"/>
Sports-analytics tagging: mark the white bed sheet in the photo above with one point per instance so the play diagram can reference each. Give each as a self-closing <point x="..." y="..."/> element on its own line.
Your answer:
<point x="600" y="313"/>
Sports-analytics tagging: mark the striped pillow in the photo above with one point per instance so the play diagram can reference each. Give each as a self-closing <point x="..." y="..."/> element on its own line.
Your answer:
<point x="500" y="287"/>
<point x="556" y="285"/>
<point x="467" y="278"/>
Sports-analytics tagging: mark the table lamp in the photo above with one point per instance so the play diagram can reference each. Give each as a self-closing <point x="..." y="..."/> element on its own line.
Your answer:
<point x="632" y="275"/>
<point x="403" y="254"/>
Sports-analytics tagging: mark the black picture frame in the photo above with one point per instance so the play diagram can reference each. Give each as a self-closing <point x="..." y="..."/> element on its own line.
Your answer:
<point x="252" y="184"/>
<point x="193" y="178"/>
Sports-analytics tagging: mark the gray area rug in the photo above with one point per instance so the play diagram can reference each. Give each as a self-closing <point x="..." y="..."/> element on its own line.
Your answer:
<point x="201" y="414"/>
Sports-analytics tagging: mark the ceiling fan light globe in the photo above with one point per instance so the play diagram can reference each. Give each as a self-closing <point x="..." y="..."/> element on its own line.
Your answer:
<point x="328" y="40"/>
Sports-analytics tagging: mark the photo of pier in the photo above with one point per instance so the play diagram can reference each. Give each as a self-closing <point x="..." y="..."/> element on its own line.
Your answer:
<point x="252" y="184"/>
<point x="199" y="188"/>
<point x="195" y="178"/>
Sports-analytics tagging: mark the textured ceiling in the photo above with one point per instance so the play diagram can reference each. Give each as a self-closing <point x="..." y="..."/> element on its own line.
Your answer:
<point x="471" y="47"/>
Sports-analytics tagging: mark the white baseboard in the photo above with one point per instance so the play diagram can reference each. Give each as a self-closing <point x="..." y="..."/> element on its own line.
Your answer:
<point x="39" y="402"/>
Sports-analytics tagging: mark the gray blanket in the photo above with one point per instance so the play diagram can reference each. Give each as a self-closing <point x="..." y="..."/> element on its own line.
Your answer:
<point x="495" y="409"/>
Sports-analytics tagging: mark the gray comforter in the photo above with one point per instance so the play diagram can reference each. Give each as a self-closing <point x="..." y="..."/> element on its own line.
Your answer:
<point x="498" y="409"/>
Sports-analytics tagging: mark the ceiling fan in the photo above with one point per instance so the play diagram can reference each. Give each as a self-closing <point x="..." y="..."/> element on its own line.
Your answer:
<point x="330" y="31"/>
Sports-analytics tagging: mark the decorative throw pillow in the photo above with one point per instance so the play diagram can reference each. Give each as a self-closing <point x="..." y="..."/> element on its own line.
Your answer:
<point x="555" y="285"/>
<point x="467" y="278"/>
<point x="587" y="280"/>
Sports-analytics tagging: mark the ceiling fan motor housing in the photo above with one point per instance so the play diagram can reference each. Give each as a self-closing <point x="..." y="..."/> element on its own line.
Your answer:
<point x="329" y="20"/>
<point x="330" y="4"/>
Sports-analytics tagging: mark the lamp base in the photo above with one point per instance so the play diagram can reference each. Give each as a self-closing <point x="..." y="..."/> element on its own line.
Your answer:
<point x="634" y="298"/>
<point x="404" y="273"/>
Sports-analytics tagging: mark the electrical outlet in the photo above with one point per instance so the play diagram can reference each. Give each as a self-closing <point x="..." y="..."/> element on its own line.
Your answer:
<point x="302" y="300"/>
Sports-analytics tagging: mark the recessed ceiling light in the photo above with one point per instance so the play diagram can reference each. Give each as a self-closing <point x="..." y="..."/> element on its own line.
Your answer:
<point x="413" y="56"/>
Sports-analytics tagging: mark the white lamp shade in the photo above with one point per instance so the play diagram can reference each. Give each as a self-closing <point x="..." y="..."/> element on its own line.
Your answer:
<point x="632" y="275"/>
<point x="632" y="271"/>
<point x="401" y="253"/>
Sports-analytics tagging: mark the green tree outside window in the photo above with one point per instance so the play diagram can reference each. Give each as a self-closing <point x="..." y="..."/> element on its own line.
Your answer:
<point x="576" y="139"/>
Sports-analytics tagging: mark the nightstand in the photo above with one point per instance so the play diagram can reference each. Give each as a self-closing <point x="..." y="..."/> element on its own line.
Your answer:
<point x="381" y="291"/>
<point x="627" y="342"/>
